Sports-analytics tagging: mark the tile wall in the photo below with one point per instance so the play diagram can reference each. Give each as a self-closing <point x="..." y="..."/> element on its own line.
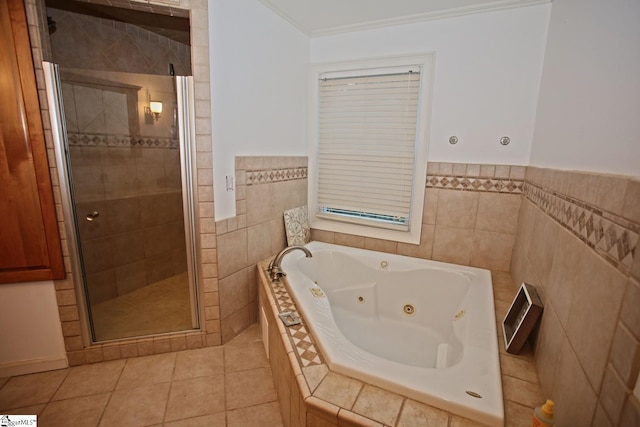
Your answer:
<point x="150" y="53"/>
<point x="79" y="350"/>
<point x="577" y="243"/>
<point x="138" y="237"/>
<point x="265" y="188"/>
<point x="470" y="217"/>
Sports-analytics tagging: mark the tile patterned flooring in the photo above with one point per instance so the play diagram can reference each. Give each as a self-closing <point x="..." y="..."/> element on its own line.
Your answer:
<point x="164" y="306"/>
<point x="225" y="386"/>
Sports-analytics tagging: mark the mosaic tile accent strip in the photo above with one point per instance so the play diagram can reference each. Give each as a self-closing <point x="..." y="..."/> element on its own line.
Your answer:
<point x="100" y="140"/>
<point x="495" y="185"/>
<point x="256" y="177"/>
<point x="612" y="237"/>
<point x="302" y="341"/>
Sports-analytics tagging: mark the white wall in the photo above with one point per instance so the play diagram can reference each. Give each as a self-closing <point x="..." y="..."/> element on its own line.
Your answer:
<point x="488" y="69"/>
<point x="31" y="335"/>
<point x="589" y="108"/>
<point x="259" y="65"/>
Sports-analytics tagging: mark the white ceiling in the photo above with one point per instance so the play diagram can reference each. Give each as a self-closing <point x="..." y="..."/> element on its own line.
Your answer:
<point x="324" y="17"/>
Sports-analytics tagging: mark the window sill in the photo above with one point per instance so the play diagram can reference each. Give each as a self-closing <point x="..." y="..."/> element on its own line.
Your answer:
<point x="412" y="236"/>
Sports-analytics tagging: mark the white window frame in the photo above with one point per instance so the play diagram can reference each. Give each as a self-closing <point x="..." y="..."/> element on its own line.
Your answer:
<point x="426" y="62"/>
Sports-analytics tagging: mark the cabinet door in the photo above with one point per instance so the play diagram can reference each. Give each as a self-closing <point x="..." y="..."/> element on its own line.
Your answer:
<point x="29" y="238"/>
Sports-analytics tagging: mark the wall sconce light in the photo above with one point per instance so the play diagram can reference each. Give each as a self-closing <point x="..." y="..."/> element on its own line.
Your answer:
<point x="156" y="108"/>
<point x="152" y="111"/>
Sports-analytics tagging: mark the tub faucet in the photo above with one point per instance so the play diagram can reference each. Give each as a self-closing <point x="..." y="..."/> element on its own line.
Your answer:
<point x="275" y="270"/>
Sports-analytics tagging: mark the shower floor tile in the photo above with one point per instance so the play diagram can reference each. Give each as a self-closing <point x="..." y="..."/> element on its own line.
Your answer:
<point x="155" y="390"/>
<point x="163" y="306"/>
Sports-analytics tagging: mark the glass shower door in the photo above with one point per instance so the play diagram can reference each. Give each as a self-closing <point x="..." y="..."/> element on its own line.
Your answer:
<point x="125" y="167"/>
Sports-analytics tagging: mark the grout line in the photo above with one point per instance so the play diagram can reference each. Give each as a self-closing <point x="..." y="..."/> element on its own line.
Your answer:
<point x="401" y="409"/>
<point x="173" y="372"/>
<point x="60" y="385"/>
<point x="224" y="382"/>
<point x="104" y="410"/>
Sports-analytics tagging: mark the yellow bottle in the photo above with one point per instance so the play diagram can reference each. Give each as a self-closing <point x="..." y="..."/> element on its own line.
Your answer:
<point x="543" y="415"/>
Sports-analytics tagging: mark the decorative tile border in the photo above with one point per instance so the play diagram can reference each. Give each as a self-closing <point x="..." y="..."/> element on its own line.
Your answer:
<point x="101" y="140"/>
<point x="256" y="177"/>
<point x="301" y="339"/>
<point x="612" y="237"/>
<point x="475" y="184"/>
<point x="475" y="177"/>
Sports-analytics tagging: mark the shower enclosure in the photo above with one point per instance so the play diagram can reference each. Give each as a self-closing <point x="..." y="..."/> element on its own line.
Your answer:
<point x="128" y="194"/>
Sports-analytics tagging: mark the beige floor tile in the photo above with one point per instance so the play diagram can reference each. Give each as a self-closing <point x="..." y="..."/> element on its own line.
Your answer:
<point x="163" y="306"/>
<point x="27" y="410"/>
<point x="145" y="370"/>
<point x="200" y="362"/>
<point x="214" y="420"/>
<point x="86" y="410"/>
<point x="196" y="396"/>
<point x="90" y="379"/>
<point x="141" y="406"/>
<point x="247" y="356"/>
<point x="27" y="390"/>
<point x="247" y="388"/>
<point x="266" y="415"/>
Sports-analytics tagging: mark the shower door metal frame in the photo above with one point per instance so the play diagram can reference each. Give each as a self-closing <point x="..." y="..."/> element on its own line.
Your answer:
<point x="184" y="86"/>
<point x="187" y="136"/>
<point x="60" y="143"/>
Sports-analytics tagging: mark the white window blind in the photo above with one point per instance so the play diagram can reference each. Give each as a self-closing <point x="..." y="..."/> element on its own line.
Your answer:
<point x="366" y="149"/>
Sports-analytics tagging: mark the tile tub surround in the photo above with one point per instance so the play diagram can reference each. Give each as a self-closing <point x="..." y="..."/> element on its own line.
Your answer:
<point x="470" y="217"/>
<point x="265" y="188"/>
<point x="311" y="395"/>
<point x="78" y="350"/>
<point x="577" y="243"/>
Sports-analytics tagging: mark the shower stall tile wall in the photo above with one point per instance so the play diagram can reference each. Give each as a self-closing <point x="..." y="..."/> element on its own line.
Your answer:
<point x="133" y="182"/>
<point x="150" y="53"/>
<point x="143" y="42"/>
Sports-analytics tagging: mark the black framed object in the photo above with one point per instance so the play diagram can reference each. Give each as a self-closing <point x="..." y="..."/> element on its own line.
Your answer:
<point x="522" y="316"/>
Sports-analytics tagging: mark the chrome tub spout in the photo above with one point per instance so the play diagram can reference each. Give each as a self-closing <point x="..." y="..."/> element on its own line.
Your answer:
<point x="275" y="270"/>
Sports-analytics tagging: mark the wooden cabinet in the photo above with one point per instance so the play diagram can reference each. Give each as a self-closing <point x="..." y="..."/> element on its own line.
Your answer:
<point x="29" y="238"/>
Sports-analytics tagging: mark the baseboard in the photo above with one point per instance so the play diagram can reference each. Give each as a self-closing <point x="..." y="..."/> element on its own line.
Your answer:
<point x="32" y="366"/>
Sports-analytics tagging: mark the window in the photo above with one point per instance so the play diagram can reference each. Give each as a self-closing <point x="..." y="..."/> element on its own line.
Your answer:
<point x="368" y="147"/>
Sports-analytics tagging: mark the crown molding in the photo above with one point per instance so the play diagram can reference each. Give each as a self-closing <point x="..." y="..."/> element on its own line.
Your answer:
<point x="287" y="17"/>
<point x="407" y="19"/>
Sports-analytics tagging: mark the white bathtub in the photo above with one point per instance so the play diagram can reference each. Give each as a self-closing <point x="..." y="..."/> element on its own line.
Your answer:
<point x="420" y="328"/>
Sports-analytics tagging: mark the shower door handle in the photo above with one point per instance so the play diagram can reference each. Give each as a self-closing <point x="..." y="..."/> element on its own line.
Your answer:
<point x="92" y="215"/>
